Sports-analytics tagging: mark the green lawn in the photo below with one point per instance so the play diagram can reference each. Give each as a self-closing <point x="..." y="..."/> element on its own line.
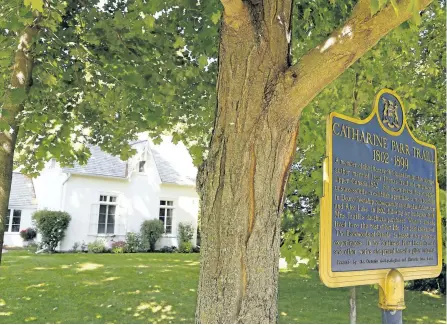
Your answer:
<point x="161" y="288"/>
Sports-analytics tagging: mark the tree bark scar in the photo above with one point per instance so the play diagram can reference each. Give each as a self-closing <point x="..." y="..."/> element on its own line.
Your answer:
<point x="243" y="285"/>
<point x="251" y="185"/>
<point x="285" y="174"/>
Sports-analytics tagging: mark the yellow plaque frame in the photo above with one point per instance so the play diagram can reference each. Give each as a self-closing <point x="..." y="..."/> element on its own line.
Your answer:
<point x="354" y="278"/>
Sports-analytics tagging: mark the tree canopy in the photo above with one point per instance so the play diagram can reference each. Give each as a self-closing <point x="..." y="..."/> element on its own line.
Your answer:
<point x="410" y="60"/>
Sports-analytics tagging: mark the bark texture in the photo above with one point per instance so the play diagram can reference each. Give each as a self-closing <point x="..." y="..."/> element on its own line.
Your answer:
<point x="241" y="184"/>
<point x="21" y="77"/>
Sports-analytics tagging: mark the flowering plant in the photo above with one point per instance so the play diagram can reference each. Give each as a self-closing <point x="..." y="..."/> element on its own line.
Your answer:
<point x="118" y="247"/>
<point x="28" y="234"/>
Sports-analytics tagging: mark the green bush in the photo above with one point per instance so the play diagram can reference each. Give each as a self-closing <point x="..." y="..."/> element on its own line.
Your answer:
<point x="185" y="235"/>
<point x="97" y="246"/>
<point x="51" y="225"/>
<point x="133" y="243"/>
<point x="429" y="284"/>
<point x="185" y="247"/>
<point x="84" y="247"/>
<point x="151" y="231"/>
<point x="75" y="247"/>
<point x="185" y="232"/>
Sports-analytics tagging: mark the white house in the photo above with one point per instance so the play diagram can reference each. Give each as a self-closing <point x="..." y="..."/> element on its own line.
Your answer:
<point x="108" y="197"/>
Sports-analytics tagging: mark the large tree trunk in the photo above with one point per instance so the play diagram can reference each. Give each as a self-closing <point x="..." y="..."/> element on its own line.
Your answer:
<point x="241" y="184"/>
<point x="20" y="78"/>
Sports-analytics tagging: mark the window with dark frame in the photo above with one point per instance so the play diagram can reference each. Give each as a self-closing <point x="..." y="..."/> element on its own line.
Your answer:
<point x="141" y="166"/>
<point x="12" y="220"/>
<point x="166" y="214"/>
<point x="107" y="212"/>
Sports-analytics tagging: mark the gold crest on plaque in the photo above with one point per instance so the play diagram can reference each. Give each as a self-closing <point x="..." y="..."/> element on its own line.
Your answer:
<point x="390" y="117"/>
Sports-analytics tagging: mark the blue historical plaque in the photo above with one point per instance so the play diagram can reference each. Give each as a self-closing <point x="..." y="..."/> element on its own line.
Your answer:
<point x="380" y="209"/>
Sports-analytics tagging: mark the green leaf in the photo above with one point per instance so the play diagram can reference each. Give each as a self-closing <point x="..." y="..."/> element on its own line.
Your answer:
<point x="17" y="96"/>
<point x="215" y="18"/>
<point x="49" y="80"/>
<point x="4" y="125"/>
<point x="382" y="3"/>
<point x="149" y="21"/>
<point x="179" y="42"/>
<point x="6" y="54"/>
<point x="203" y="61"/>
<point x="374" y="7"/>
<point x="35" y="4"/>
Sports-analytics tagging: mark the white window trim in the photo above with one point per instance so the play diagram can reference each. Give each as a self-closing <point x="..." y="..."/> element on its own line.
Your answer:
<point x="107" y="203"/>
<point x="11" y="212"/>
<point x="173" y="208"/>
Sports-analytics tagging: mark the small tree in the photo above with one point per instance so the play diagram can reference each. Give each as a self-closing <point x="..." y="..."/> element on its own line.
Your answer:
<point x="151" y="231"/>
<point x="185" y="232"/>
<point x="185" y="236"/>
<point x="51" y="225"/>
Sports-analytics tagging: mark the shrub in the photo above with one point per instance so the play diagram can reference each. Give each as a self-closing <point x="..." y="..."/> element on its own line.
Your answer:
<point x="118" y="247"/>
<point x="151" y="231"/>
<point x="185" y="235"/>
<point x="185" y="232"/>
<point x="97" y="246"/>
<point x="168" y="249"/>
<point x="51" y="225"/>
<point x="84" y="247"/>
<point x="75" y="247"/>
<point x="185" y="247"/>
<point x="28" y="234"/>
<point x="196" y="249"/>
<point x="133" y="243"/>
<point x="429" y="284"/>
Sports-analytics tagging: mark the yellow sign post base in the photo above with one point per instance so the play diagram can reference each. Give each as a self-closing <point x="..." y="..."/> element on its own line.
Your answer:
<point x="391" y="297"/>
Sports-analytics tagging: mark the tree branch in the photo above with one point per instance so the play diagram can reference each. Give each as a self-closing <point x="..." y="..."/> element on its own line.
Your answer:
<point x="319" y="67"/>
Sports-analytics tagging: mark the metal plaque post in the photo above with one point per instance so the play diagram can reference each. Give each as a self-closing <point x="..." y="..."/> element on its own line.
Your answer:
<point x="391" y="297"/>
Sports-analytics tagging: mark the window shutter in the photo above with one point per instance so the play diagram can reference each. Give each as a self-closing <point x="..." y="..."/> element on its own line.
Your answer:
<point x="94" y="215"/>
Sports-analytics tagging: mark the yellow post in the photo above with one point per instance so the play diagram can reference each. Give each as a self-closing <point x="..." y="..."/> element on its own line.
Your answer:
<point x="391" y="297"/>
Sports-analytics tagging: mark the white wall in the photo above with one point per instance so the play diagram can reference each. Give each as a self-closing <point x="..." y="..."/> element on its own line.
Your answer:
<point x="186" y="209"/>
<point x="136" y="199"/>
<point x="13" y="238"/>
<point x="48" y="187"/>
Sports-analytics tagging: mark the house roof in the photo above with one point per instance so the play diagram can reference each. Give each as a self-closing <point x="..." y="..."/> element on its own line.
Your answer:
<point x="22" y="191"/>
<point x="173" y="162"/>
<point x="100" y="163"/>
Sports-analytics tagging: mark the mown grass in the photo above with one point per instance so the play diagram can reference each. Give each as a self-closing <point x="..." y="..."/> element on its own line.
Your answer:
<point x="161" y="288"/>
